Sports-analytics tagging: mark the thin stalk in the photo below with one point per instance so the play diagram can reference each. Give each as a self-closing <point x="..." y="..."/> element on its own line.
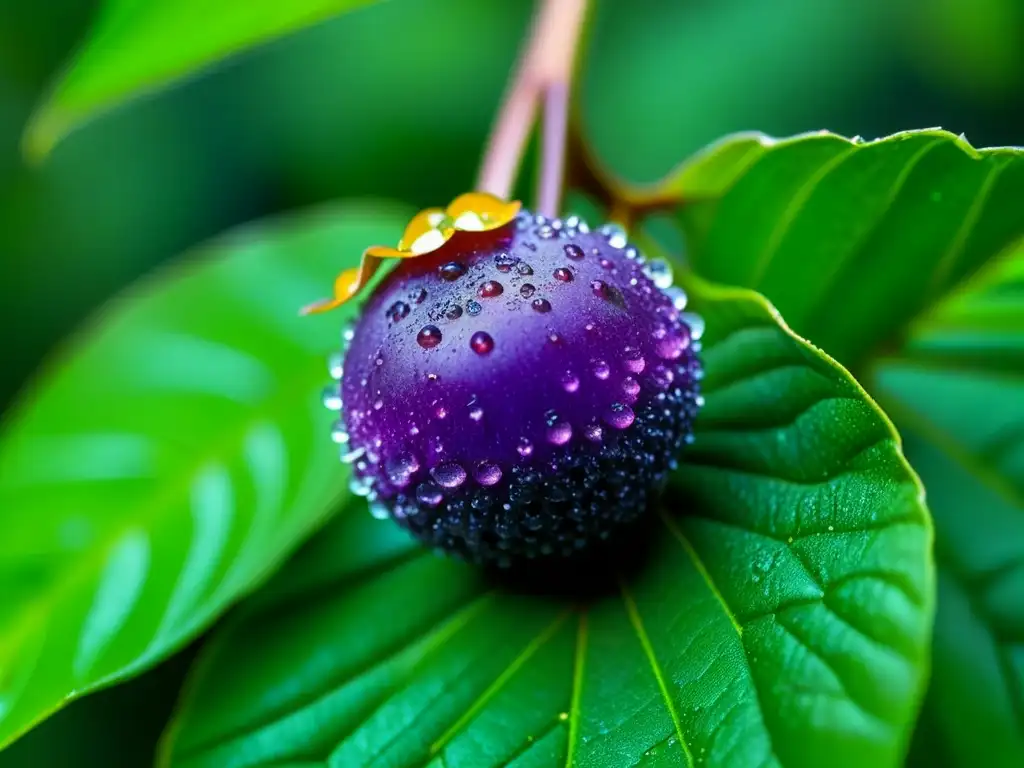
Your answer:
<point x="543" y="74"/>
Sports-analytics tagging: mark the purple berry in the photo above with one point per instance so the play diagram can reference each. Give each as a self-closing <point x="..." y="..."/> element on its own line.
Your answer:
<point x="518" y="393"/>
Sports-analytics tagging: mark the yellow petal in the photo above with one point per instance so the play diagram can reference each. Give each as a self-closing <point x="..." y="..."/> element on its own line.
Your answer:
<point x="487" y="211"/>
<point x="346" y="285"/>
<point x="421" y="223"/>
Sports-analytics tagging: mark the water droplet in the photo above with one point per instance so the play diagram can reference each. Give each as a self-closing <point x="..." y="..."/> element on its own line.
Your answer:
<point x="555" y="337"/>
<point x="607" y="264"/>
<point x="541" y="305"/>
<point x="429" y="494"/>
<point x="601" y="369"/>
<point x="418" y="296"/>
<point x="614" y="235"/>
<point x="476" y="412"/>
<point x="398" y="311"/>
<point x="378" y="510"/>
<point x="433" y="377"/>
<point x="695" y="323"/>
<point x="490" y="289"/>
<point x="593" y="432"/>
<point x="487" y="473"/>
<point x="335" y="366"/>
<point x="619" y="415"/>
<point x="379" y="361"/>
<point x="378" y="404"/>
<point x="662" y="377"/>
<point x="525" y="447"/>
<point x="429" y="336"/>
<point x="545" y="232"/>
<point x="633" y="361"/>
<point x="401" y="467"/>
<point x="481" y="343"/>
<point x="338" y="433"/>
<point x="678" y="296"/>
<point x="600" y="289"/>
<point x="331" y="398"/>
<point x="559" y="433"/>
<point x="453" y="270"/>
<point x="570" y="382"/>
<point x="630" y="387"/>
<point x="441" y="412"/>
<point x="673" y="345"/>
<point x="564" y="274"/>
<point x="353" y="455"/>
<point x="414" y="430"/>
<point x="573" y="251"/>
<point x="454" y="313"/>
<point x="504" y="262"/>
<point x="526" y="290"/>
<point x="348" y="333"/>
<point x="660" y="273"/>
<point x="589" y="327"/>
<point x="449" y="474"/>
<point x="473" y="307"/>
<point x="524" y="269"/>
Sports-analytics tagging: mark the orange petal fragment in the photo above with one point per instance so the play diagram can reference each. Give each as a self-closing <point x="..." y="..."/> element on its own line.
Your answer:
<point x="346" y="285"/>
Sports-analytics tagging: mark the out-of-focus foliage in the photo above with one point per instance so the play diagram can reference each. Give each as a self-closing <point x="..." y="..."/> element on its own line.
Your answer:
<point x="396" y="100"/>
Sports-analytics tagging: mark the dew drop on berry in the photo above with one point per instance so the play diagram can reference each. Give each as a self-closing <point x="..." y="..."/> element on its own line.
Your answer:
<point x="454" y="313"/>
<point x="504" y="262"/>
<point x="570" y="382"/>
<point x="607" y="264"/>
<point x="473" y="307"/>
<point x="429" y="494"/>
<point x="481" y="343"/>
<point x="453" y="270"/>
<point x="490" y="289"/>
<point x="563" y="274"/>
<point x="449" y="474"/>
<point x="593" y="432"/>
<point x="487" y="473"/>
<point x="541" y="305"/>
<point x="600" y="289"/>
<point x="633" y="360"/>
<point x="398" y="311"/>
<point x="661" y="377"/>
<point x="573" y="251"/>
<point x="524" y="269"/>
<point x="619" y="416"/>
<point x="400" y="467"/>
<point x="429" y="336"/>
<point x="559" y="433"/>
<point x="418" y="296"/>
<point x="525" y="447"/>
<point x="601" y="369"/>
<point x="630" y="387"/>
<point x="526" y="290"/>
<point x="660" y="273"/>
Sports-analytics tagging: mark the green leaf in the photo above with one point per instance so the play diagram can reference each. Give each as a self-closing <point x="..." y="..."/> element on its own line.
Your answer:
<point x="781" y="616"/>
<point x="137" y="47"/>
<point x="957" y="390"/>
<point x="901" y="257"/>
<point x="168" y="460"/>
<point x="881" y="229"/>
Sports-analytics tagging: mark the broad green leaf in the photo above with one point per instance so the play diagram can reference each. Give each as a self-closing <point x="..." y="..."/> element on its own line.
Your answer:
<point x="137" y="46"/>
<point x="781" y="616"/>
<point x="901" y="256"/>
<point x="168" y="460"/>
<point x="849" y="239"/>
<point x="957" y="390"/>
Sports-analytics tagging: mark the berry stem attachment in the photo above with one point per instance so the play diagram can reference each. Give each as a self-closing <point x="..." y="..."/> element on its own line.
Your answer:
<point x="544" y="73"/>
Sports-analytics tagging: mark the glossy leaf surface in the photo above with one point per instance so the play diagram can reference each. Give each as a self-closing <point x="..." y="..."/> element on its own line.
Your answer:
<point x="169" y="459"/>
<point x="901" y="256"/>
<point x="780" y="616"/>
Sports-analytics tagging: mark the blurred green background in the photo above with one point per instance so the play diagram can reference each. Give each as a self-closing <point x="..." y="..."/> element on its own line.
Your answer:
<point x="396" y="100"/>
